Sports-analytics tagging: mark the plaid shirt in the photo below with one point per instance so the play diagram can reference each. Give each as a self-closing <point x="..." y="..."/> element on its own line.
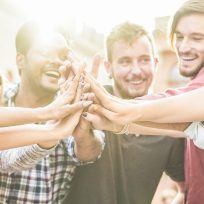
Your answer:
<point x="50" y="174"/>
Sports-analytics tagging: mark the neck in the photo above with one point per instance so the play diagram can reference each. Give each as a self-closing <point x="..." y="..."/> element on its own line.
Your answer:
<point x="117" y="93"/>
<point x="28" y="98"/>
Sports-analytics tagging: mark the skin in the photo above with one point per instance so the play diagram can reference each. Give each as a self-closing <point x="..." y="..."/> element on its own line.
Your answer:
<point x="189" y="46"/>
<point x="131" y="67"/>
<point x="39" y="82"/>
<point x="58" y="109"/>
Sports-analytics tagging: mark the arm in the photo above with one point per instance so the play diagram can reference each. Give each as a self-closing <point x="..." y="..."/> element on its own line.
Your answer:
<point x="58" y="109"/>
<point x="148" y="128"/>
<point x="20" y="159"/>
<point x="173" y="109"/>
<point x="45" y="136"/>
<point x="161" y="110"/>
<point x="88" y="143"/>
<point x="179" y="199"/>
<point x="145" y="128"/>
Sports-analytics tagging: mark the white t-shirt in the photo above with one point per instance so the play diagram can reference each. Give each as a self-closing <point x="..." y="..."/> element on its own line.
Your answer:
<point x="195" y="131"/>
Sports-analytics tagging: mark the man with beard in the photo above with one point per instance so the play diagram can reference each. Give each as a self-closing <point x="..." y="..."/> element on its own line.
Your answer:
<point x="130" y="167"/>
<point x="187" y="31"/>
<point x="41" y="173"/>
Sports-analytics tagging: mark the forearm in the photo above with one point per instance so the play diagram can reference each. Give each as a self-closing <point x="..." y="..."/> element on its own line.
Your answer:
<point x="16" y="136"/>
<point x="151" y="129"/>
<point x="16" y="116"/>
<point x="181" y="186"/>
<point x="179" y="199"/>
<point x="20" y="159"/>
<point x="172" y="109"/>
<point x="90" y="147"/>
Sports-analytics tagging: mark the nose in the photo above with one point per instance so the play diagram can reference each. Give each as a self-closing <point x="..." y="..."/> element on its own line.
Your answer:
<point x="184" y="46"/>
<point x="136" y="69"/>
<point x="57" y="62"/>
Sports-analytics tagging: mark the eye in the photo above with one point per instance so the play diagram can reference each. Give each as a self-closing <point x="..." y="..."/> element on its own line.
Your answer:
<point x="144" y="60"/>
<point x="50" y="65"/>
<point x="179" y="37"/>
<point x="124" y="61"/>
<point x="64" y="57"/>
<point x="197" y="38"/>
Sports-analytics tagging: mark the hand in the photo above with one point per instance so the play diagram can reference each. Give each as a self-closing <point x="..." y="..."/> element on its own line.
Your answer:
<point x="109" y="102"/>
<point x="66" y="126"/>
<point x="88" y="145"/>
<point x="99" y="122"/>
<point x="62" y="106"/>
<point x="179" y="199"/>
<point x="83" y="129"/>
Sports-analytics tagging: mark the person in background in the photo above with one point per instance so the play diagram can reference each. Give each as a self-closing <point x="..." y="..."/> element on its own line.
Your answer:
<point x="14" y="136"/>
<point x="41" y="173"/>
<point x="130" y="167"/>
<point x="187" y="31"/>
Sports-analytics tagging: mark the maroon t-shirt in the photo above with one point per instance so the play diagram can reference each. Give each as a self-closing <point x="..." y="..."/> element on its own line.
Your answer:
<point x="194" y="156"/>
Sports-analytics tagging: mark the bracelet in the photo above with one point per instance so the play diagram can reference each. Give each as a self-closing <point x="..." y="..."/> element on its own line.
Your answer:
<point x="125" y="130"/>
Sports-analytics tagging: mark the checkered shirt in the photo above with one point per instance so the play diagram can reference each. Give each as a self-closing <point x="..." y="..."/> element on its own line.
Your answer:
<point x="34" y="175"/>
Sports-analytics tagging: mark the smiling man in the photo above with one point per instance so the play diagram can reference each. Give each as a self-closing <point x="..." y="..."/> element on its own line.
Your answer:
<point x="130" y="167"/>
<point x="41" y="173"/>
<point x="187" y="33"/>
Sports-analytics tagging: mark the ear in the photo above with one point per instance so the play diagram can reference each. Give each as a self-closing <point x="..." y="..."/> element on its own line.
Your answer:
<point x="20" y="61"/>
<point x="155" y="61"/>
<point x="108" y="67"/>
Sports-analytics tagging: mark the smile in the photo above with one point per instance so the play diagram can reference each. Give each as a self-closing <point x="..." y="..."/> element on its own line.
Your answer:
<point x="52" y="73"/>
<point x="136" y="82"/>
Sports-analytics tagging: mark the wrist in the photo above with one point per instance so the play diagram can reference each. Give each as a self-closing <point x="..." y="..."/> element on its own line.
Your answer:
<point x="44" y="113"/>
<point x="123" y="130"/>
<point x="48" y="144"/>
<point x="86" y="140"/>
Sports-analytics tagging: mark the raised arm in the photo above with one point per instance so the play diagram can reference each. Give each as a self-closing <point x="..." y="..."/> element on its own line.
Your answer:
<point x="186" y="107"/>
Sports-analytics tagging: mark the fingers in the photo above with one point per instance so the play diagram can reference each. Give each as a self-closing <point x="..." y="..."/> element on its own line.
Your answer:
<point x="88" y="97"/>
<point x="95" y="65"/>
<point x="101" y="95"/>
<point x="95" y="85"/>
<point x="64" y="71"/>
<point x="86" y="87"/>
<point x="71" y="88"/>
<point x="89" y="117"/>
<point x="68" y="70"/>
<point x="76" y="106"/>
<point x="103" y="111"/>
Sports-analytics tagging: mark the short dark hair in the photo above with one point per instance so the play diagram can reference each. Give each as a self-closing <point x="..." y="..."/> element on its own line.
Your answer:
<point x="126" y="32"/>
<point x="28" y="32"/>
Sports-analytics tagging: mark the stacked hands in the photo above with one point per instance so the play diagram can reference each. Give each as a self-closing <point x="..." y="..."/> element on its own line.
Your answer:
<point x="84" y="104"/>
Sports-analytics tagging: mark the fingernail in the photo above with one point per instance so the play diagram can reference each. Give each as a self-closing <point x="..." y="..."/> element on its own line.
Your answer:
<point x="84" y="114"/>
<point x="87" y="103"/>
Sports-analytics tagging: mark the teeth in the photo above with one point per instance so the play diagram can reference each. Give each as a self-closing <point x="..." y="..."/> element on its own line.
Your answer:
<point x="54" y="74"/>
<point x="137" y="82"/>
<point x="188" y="58"/>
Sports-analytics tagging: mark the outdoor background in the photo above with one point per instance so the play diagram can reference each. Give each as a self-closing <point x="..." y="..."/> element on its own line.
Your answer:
<point x="88" y="22"/>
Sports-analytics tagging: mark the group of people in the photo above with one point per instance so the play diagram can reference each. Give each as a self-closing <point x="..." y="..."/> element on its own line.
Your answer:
<point x="106" y="145"/>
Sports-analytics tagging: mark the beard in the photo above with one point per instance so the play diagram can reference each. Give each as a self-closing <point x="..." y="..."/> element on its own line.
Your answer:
<point x="191" y="73"/>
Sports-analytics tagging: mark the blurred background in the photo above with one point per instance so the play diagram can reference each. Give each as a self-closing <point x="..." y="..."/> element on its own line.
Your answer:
<point x="88" y="23"/>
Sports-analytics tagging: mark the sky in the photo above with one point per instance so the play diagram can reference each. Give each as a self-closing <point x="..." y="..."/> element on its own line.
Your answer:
<point x="101" y="14"/>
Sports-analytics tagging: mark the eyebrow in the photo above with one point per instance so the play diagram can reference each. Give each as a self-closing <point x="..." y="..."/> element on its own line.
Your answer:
<point x="198" y="34"/>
